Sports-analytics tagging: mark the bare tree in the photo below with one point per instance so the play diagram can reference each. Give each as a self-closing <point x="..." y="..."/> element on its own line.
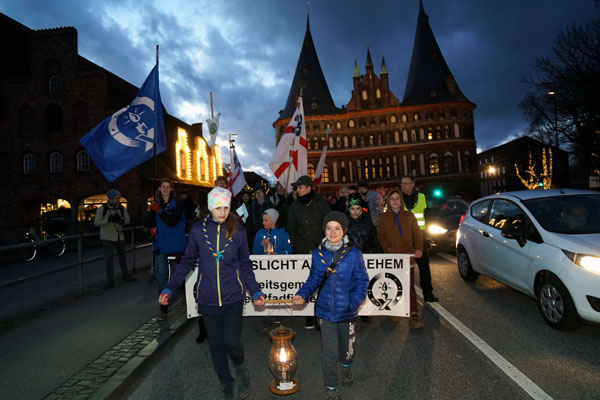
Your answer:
<point x="563" y="105"/>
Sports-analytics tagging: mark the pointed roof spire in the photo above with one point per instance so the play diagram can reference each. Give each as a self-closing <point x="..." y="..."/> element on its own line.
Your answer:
<point x="309" y="77"/>
<point x="356" y="73"/>
<point x="429" y="78"/>
<point x="369" y="61"/>
<point x="383" y="66"/>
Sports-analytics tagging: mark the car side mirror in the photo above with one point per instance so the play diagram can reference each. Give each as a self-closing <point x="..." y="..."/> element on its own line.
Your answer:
<point x="513" y="232"/>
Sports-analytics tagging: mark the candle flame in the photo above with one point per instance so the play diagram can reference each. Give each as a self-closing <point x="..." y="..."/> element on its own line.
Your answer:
<point x="282" y="355"/>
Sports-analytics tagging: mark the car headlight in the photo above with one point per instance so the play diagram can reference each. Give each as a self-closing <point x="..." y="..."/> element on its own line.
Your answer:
<point x="436" y="230"/>
<point x="585" y="261"/>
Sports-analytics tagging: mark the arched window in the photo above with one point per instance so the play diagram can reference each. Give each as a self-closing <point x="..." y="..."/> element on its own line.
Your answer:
<point x="55" y="84"/>
<point x="456" y="130"/>
<point x="316" y="143"/>
<point x="404" y="136"/>
<point x="388" y="138"/>
<point x="377" y="94"/>
<point x="353" y="141"/>
<point x="351" y="123"/>
<point x="335" y="171"/>
<point x="429" y="133"/>
<point x="308" y="144"/>
<point x="54" y="119"/>
<point x="380" y="168"/>
<point x="343" y="171"/>
<point x="338" y="125"/>
<point x="446" y="132"/>
<point x="331" y="142"/>
<point x="366" y="169"/>
<point x="373" y="169"/>
<point x="404" y="118"/>
<point x="413" y="135"/>
<point x="56" y="163"/>
<point x="438" y="132"/>
<point x="434" y="165"/>
<point x="448" y="164"/>
<point x="397" y="136"/>
<point x="325" y="178"/>
<point x="359" y="169"/>
<point x="362" y="141"/>
<point x="379" y="139"/>
<point x="345" y="140"/>
<point x="310" y="171"/>
<point x="393" y="119"/>
<point x="364" y="94"/>
<point x="388" y="168"/>
<point x="416" y="117"/>
<point x="83" y="161"/>
<point x="371" y="140"/>
<point x="338" y="142"/>
<point x="29" y="164"/>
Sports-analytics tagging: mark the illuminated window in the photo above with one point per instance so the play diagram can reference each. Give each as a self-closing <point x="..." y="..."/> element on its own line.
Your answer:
<point x="345" y="141"/>
<point x="404" y="118"/>
<point x="351" y="123"/>
<point x="311" y="171"/>
<point x="83" y="161"/>
<point x="377" y="94"/>
<point x="413" y="135"/>
<point x="416" y="117"/>
<point x="56" y="163"/>
<point x="308" y="144"/>
<point x="353" y="141"/>
<point x="446" y="132"/>
<point x="29" y="166"/>
<point x="429" y="134"/>
<point x="364" y="94"/>
<point x="393" y="119"/>
<point x="371" y="140"/>
<point x="373" y="169"/>
<point x="434" y="166"/>
<point x="438" y="133"/>
<point x="183" y="155"/>
<point x="338" y="125"/>
<point x="325" y="174"/>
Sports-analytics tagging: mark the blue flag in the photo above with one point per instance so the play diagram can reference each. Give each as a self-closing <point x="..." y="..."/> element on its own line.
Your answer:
<point x="126" y="139"/>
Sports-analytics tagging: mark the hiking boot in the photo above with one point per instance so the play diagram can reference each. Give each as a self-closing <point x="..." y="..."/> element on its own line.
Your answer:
<point x="332" y="394"/>
<point x="309" y="323"/>
<point x="415" y="321"/>
<point x="347" y="378"/>
<point x="229" y="391"/>
<point x="429" y="297"/>
<point x="242" y="377"/>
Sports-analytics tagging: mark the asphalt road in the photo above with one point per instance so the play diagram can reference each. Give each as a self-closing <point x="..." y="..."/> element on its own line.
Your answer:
<point x="393" y="362"/>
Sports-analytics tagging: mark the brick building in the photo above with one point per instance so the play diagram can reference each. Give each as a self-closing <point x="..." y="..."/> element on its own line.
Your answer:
<point x="50" y="96"/>
<point x="497" y="170"/>
<point x="429" y="134"/>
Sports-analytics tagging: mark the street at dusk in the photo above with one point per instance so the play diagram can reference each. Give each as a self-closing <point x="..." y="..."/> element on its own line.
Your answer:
<point x="306" y="200"/>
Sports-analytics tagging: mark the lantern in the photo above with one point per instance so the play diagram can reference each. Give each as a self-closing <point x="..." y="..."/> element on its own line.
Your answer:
<point x="283" y="361"/>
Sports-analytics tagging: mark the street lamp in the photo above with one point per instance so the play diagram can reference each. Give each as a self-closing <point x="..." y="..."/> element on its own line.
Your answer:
<point x="491" y="170"/>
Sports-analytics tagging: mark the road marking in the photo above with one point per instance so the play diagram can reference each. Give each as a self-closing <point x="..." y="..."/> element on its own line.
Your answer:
<point x="510" y="370"/>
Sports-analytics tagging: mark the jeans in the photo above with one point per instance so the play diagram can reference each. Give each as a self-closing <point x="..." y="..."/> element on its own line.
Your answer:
<point x="109" y="246"/>
<point x="164" y="268"/>
<point x="424" y="272"/>
<point x="338" y="340"/>
<point x="224" y="338"/>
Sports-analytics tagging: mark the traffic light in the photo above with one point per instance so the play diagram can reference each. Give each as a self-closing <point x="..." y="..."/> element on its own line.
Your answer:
<point x="437" y="193"/>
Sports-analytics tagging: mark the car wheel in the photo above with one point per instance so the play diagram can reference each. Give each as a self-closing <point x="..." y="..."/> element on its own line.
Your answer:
<point x="464" y="266"/>
<point x="556" y="305"/>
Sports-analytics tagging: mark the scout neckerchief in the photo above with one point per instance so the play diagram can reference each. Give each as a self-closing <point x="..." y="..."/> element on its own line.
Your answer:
<point x="219" y="253"/>
<point x="339" y="255"/>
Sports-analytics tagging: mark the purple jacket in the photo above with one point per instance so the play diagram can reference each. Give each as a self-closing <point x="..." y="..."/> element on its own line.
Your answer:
<point x="219" y="282"/>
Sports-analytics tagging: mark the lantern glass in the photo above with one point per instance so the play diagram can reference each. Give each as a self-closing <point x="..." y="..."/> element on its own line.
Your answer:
<point x="283" y="361"/>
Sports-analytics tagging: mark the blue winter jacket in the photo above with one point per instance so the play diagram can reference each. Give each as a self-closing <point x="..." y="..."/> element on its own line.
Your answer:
<point x="170" y="228"/>
<point x="221" y="281"/>
<point x="345" y="289"/>
<point x="278" y="236"/>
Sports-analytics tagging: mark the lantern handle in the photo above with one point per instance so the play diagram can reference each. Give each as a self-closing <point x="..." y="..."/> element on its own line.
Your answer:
<point x="279" y="301"/>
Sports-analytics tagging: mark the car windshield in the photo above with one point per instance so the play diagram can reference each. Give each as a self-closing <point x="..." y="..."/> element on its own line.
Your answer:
<point x="447" y="206"/>
<point x="570" y="214"/>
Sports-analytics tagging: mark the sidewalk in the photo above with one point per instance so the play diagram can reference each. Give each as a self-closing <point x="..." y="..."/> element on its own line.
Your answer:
<point x="85" y="345"/>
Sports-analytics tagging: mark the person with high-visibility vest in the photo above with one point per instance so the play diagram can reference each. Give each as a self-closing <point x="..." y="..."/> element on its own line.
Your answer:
<point x="416" y="203"/>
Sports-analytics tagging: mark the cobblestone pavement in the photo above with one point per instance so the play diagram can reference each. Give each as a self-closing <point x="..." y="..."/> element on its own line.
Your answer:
<point x="101" y="376"/>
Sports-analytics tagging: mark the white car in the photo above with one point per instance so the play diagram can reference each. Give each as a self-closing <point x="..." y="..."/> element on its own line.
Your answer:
<point x="544" y="243"/>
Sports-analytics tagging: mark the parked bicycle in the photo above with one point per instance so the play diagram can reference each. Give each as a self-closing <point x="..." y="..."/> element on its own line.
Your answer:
<point x="56" y="245"/>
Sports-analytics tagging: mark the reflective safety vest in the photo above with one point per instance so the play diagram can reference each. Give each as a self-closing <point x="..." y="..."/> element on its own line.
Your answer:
<point x="419" y="210"/>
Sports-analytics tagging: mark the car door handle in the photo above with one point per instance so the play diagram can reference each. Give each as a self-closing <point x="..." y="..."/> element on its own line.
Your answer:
<point x="485" y="234"/>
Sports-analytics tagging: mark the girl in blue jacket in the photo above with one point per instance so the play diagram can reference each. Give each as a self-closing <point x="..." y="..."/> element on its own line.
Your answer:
<point x="343" y="291"/>
<point x="218" y="244"/>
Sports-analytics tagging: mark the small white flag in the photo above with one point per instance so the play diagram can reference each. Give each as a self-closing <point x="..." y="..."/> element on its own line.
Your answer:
<point x="213" y="129"/>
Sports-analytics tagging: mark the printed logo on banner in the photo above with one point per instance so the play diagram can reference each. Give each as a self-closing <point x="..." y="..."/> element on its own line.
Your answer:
<point x="384" y="290"/>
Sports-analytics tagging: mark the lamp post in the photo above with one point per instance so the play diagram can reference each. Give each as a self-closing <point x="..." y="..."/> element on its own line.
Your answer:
<point x="552" y="94"/>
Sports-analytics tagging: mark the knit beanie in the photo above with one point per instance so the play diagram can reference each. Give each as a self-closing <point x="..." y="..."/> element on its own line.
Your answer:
<point x="355" y="199"/>
<point x="113" y="193"/>
<point x="338" y="217"/>
<point x="219" y="197"/>
<point x="273" y="214"/>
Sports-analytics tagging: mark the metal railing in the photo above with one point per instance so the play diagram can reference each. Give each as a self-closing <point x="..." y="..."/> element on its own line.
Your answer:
<point x="81" y="261"/>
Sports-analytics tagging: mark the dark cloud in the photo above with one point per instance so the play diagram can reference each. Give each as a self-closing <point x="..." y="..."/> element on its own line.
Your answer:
<point x="246" y="52"/>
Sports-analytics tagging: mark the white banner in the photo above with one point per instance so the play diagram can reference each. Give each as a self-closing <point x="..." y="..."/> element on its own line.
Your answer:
<point x="281" y="276"/>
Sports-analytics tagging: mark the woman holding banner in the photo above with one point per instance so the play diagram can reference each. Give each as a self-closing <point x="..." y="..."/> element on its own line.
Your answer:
<point x="398" y="232"/>
<point x="339" y="276"/>
<point x="219" y="245"/>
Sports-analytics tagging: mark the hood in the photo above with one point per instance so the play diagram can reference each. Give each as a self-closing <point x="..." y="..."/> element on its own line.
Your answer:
<point x="583" y="244"/>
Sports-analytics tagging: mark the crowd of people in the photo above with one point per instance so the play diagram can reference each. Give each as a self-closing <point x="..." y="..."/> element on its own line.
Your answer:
<point x="336" y="230"/>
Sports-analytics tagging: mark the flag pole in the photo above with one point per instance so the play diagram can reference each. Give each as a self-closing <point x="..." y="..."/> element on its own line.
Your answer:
<point x="154" y="186"/>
